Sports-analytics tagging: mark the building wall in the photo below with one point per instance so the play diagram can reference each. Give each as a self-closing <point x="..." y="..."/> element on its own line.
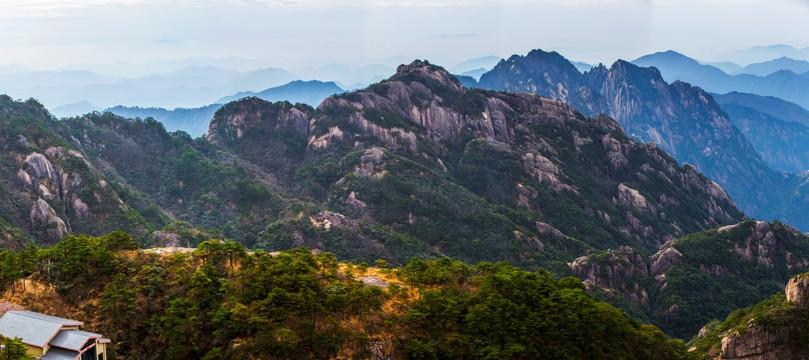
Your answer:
<point x="101" y="349"/>
<point x="35" y="351"/>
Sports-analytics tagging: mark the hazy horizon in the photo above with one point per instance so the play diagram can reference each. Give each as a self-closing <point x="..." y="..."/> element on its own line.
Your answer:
<point x="54" y="35"/>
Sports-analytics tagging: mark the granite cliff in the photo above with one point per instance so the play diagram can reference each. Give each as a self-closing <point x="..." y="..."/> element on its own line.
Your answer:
<point x="414" y="165"/>
<point x="772" y="329"/>
<point x="682" y="119"/>
<point x="699" y="277"/>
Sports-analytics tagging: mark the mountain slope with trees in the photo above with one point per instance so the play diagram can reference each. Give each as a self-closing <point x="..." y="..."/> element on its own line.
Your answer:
<point x="222" y="302"/>
<point x="684" y="120"/>
<point x="415" y="165"/>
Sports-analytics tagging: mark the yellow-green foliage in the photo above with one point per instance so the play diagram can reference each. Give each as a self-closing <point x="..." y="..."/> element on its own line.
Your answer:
<point x="223" y="302"/>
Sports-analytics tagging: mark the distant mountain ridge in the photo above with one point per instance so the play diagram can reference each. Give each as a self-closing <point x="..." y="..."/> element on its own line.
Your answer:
<point x="769" y="67"/>
<point x="782" y="144"/>
<point x="766" y="104"/>
<point x="308" y="92"/>
<point x="193" y="121"/>
<point x="784" y="84"/>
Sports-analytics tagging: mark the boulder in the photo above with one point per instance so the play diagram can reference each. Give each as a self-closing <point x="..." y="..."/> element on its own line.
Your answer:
<point x="797" y="290"/>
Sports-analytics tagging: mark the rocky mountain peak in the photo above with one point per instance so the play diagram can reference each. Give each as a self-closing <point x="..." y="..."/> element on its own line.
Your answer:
<point x="627" y="68"/>
<point x="552" y="58"/>
<point x="429" y="75"/>
<point x="237" y="118"/>
<point x="682" y="119"/>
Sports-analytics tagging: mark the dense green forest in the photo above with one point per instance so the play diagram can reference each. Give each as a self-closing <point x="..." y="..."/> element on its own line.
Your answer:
<point x="224" y="302"/>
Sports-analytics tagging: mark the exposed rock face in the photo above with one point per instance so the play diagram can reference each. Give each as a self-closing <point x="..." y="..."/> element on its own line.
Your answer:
<point x="43" y="214"/>
<point x="682" y="119"/>
<point x="371" y="163"/>
<point x="747" y="246"/>
<point x="757" y="344"/>
<point x="663" y="260"/>
<point x="632" y="197"/>
<point x="374" y="281"/>
<point x="423" y="106"/>
<point x="43" y="169"/>
<point x="612" y="275"/>
<point x="797" y="290"/>
<point x="545" y="171"/>
<point x="166" y="239"/>
<point x="763" y="245"/>
<point x="79" y="207"/>
<point x="616" y="152"/>
<point x="546" y="229"/>
<point x="326" y="219"/>
<point x="381" y="349"/>
<point x="237" y="118"/>
<point x="773" y="343"/>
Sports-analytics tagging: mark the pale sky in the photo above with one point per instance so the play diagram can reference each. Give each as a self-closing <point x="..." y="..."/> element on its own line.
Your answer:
<point x="51" y="34"/>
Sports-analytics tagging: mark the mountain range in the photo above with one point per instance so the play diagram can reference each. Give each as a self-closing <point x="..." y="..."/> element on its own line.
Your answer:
<point x="195" y="121"/>
<point x="775" y="65"/>
<point x="652" y="110"/>
<point x="188" y="83"/>
<point x="578" y="181"/>
<point x="430" y="136"/>
<point x="784" y="84"/>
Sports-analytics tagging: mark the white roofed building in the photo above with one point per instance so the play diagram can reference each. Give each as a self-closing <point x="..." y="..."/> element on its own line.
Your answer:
<point x="53" y="338"/>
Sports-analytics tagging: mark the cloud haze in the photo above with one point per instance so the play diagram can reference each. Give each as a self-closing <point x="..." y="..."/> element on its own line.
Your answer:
<point x="287" y="33"/>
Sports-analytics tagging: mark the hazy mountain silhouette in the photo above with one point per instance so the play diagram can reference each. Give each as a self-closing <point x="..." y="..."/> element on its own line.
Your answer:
<point x="308" y="92"/>
<point x="784" y="84"/>
<point x="769" y="67"/>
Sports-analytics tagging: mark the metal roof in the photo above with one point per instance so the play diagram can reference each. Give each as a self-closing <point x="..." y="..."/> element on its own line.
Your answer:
<point x="55" y="319"/>
<point x="34" y="329"/>
<point x="73" y="339"/>
<point x="59" y="354"/>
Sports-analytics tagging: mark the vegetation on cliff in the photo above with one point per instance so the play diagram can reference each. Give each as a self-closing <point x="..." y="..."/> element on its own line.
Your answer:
<point x="700" y="277"/>
<point x="223" y="302"/>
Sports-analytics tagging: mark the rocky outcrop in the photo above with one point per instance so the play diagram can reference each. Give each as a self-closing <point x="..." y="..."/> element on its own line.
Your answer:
<point x="775" y="342"/>
<point x="79" y="207"/>
<point x="545" y="172"/>
<point x="616" y="152"/>
<point x="166" y="239"/>
<point x="43" y="169"/>
<point x="381" y="348"/>
<point x="371" y="163"/>
<point x="797" y="290"/>
<point x="757" y="343"/>
<point x="234" y="120"/>
<point x="548" y="230"/>
<point x="631" y="197"/>
<point x="613" y="271"/>
<point x="763" y="245"/>
<point x="663" y="260"/>
<point x="327" y="219"/>
<point x="374" y="281"/>
<point x="42" y="214"/>
<point x="422" y="106"/>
